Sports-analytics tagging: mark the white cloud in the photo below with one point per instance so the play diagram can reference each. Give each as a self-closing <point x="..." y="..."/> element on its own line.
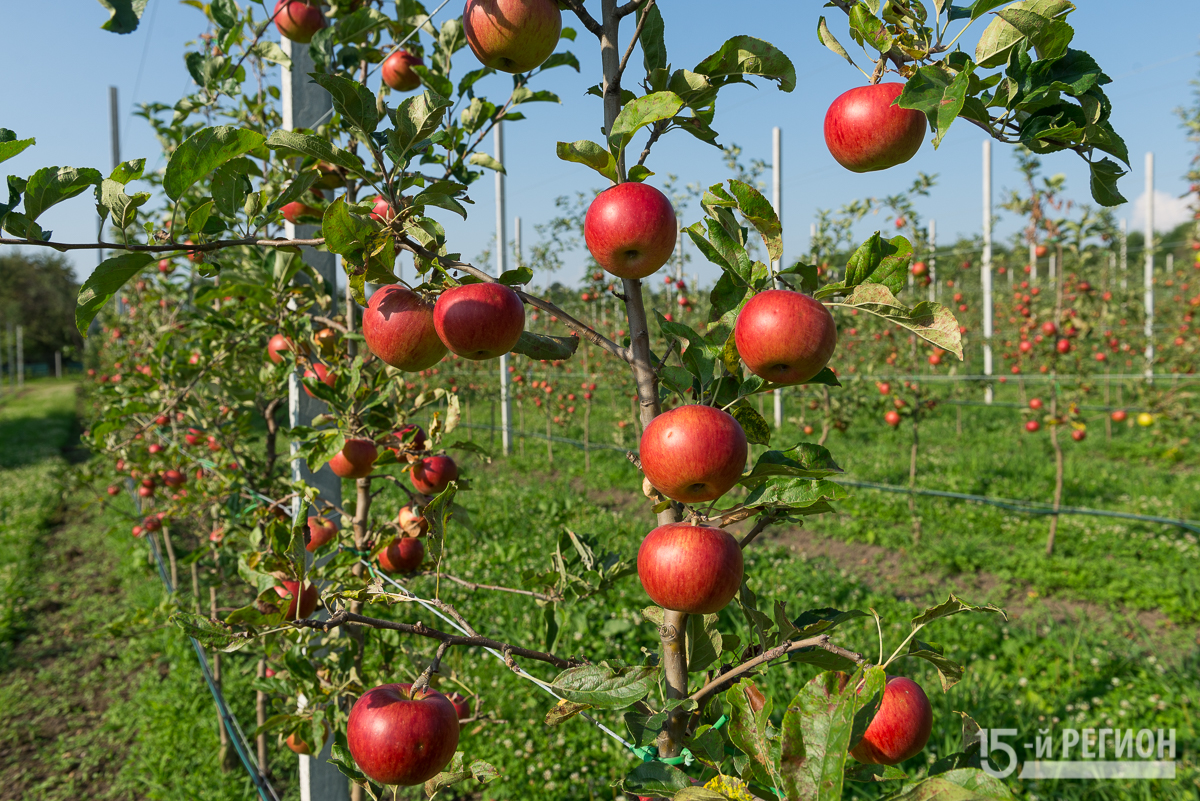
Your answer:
<point x="1169" y="211"/>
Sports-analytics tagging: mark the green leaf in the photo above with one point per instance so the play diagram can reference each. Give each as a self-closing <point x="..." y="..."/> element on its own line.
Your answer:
<point x="417" y="118"/>
<point x="981" y="7"/>
<point x="230" y="186"/>
<point x="545" y="347"/>
<point x="932" y="322"/>
<point x="825" y="719"/>
<point x="293" y="191"/>
<point x="355" y="102"/>
<point x="203" y="152"/>
<point x="270" y="51"/>
<point x="357" y="24"/>
<point x="591" y="155"/>
<point x="1001" y="37"/>
<point x="745" y="55"/>
<point x="829" y="40"/>
<point x="750" y="731"/>
<point x="655" y="778"/>
<point x="759" y="212"/>
<point x="517" y="277"/>
<point x="703" y="642"/>
<point x="605" y="687"/>
<point x="452" y="775"/>
<point x="952" y="606"/>
<point x="224" y="13"/>
<point x="199" y="217"/>
<point x="654" y="46"/>
<point x="874" y="773"/>
<point x="317" y="148"/>
<point x="638" y="114"/>
<point x="799" y="494"/>
<point x="1104" y="175"/>
<point x="756" y="428"/>
<point x="104" y="282"/>
<point x="878" y="261"/>
<point x="350" y="235"/>
<point x="51" y="185"/>
<point x="805" y="460"/>
<point x="123" y="15"/>
<point x="485" y="160"/>
<point x="949" y="671"/>
<point x="697" y="356"/>
<point x="698" y="794"/>
<point x="963" y="784"/>
<point x="13" y="147"/>
<point x="1049" y="37"/>
<point x="939" y="93"/>
<point x="870" y="28"/>
<point x="120" y="206"/>
<point x="638" y="173"/>
<point x="208" y="632"/>
<point x="128" y="171"/>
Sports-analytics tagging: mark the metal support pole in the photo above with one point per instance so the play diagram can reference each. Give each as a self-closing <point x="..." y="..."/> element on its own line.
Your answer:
<point x="777" y="265"/>
<point x="114" y="127"/>
<point x="1148" y="274"/>
<point x="304" y="104"/>
<point x="986" y="268"/>
<point x="1053" y="267"/>
<point x="933" y="280"/>
<point x="58" y="364"/>
<point x="1124" y="255"/>
<point x="506" y="431"/>
<point x="1033" y="262"/>
<point x="12" y="356"/>
<point x="20" y="357"/>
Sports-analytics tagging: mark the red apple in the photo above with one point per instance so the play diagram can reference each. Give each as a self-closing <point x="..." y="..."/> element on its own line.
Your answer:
<point x="693" y="569"/>
<point x="1063" y="346"/>
<point x="398" y="327"/>
<point x="512" y="35"/>
<point x="885" y="388"/>
<point x="808" y="431"/>
<point x="412" y="437"/>
<point x="296" y="741"/>
<point x="404" y="555"/>
<point x="192" y="437"/>
<point x="298" y="20"/>
<point x="1032" y="425"/>
<point x="1119" y="416"/>
<point x="1078" y="435"/>
<point x="152" y="523"/>
<point x="919" y="269"/>
<point x="356" y="459"/>
<point x="402" y="740"/>
<point x="292" y="212"/>
<point x="900" y="728"/>
<point x="433" y="474"/>
<point x="1035" y="403"/>
<point x="460" y="705"/>
<point x="693" y="453"/>
<point x="1049" y="328"/>
<point x="412" y="522"/>
<point x="382" y="210"/>
<point x="321" y="373"/>
<point x="784" y="336"/>
<point x="892" y="418"/>
<point x="630" y="230"/>
<point x="398" y="71"/>
<point x="174" y="478"/>
<point x="479" y="321"/>
<point x="308" y="599"/>
<point x="320" y="531"/>
<point x="113" y="489"/>
<point x="137" y="531"/>
<point x="864" y="131"/>
<point x="1040" y="251"/>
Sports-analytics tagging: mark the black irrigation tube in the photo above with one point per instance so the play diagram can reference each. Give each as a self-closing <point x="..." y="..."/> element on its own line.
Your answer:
<point x="1026" y="507"/>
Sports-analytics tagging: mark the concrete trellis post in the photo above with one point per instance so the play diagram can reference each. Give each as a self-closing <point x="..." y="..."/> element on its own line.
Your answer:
<point x="1148" y="271"/>
<point x="304" y="106"/>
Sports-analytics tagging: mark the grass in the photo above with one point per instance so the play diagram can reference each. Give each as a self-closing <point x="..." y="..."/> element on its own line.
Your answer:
<point x="125" y="714"/>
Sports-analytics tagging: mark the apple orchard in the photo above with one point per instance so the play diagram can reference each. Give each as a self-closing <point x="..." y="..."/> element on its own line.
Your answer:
<point x="211" y="319"/>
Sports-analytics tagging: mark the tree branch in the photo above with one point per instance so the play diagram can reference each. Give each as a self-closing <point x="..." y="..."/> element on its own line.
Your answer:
<point x="170" y="248"/>
<point x="637" y="33"/>
<point x="587" y="19"/>
<point x="759" y="527"/>
<point x="474" y="586"/>
<point x="346" y="617"/>
<point x="821" y="641"/>
<point x="629" y="8"/>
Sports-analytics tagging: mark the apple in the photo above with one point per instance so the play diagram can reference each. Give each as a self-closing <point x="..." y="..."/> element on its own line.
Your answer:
<point x="404" y="555"/>
<point x="693" y="453"/>
<point x="192" y="437"/>
<point x="292" y="212"/>
<point x="297" y="743"/>
<point x="401" y="739"/>
<point x="174" y="478"/>
<point x="808" y="431"/>
<point x="1145" y="419"/>
<point x="320" y="531"/>
<point x="356" y="459"/>
<point x="865" y="132"/>
<point x="1049" y="328"/>
<point x="398" y="71"/>
<point x="900" y="728"/>
<point x="165" y="267"/>
<point x="1040" y="251"/>
<point x="1026" y="346"/>
<point x="919" y="269"/>
<point x="137" y="531"/>
<point x="412" y="437"/>
<point x="152" y="523"/>
<point x="308" y="599"/>
<point x="1063" y="346"/>
<point x="1078" y="435"/>
<point x="630" y="230"/>
<point x="885" y="388"/>
<point x="1035" y="403"/>
<point x="298" y="20"/>
<point x="512" y="35"/>
<point x="326" y="341"/>
<point x="693" y="569"/>
<point x="479" y="321"/>
<point x="412" y="522"/>
<point x="460" y="705"/>
<point x="321" y="373"/>
<point x="1119" y="416"/>
<point x="398" y="327"/>
<point x="433" y="474"/>
<point x="113" y="489"/>
<point x="785" y="336"/>
<point x="383" y="210"/>
<point x="1032" y="425"/>
<point x="892" y="418"/>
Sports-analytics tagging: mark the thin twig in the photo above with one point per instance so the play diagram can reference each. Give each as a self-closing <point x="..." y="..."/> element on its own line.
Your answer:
<point x="470" y="585"/>
<point x="637" y="34"/>
<point x="587" y="19"/>
<point x="821" y="641"/>
<point x="169" y="248"/>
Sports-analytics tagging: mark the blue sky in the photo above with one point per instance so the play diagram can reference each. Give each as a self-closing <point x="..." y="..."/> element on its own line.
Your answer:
<point x="67" y="63"/>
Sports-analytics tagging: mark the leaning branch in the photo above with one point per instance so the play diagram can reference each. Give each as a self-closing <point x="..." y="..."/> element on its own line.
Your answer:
<point x="346" y="617"/>
<point x="821" y="641"/>
<point x="587" y="19"/>
<point x="173" y="247"/>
